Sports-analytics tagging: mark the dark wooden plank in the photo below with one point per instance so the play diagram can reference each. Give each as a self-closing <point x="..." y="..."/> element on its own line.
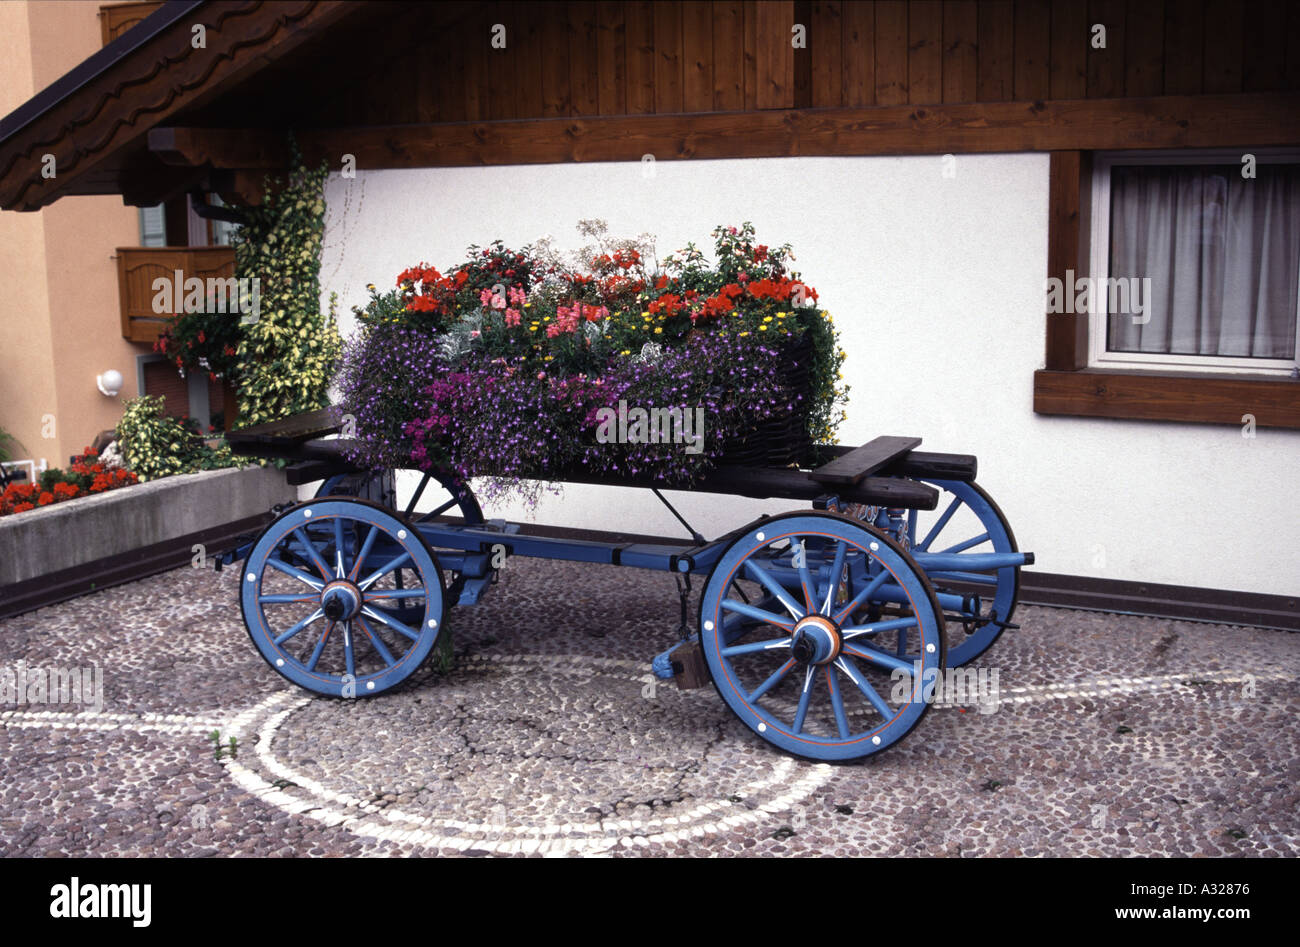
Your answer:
<point x="584" y="57"/>
<point x="451" y="83"/>
<point x="697" y="56"/>
<point x="751" y="55"/>
<point x="1068" y="69"/>
<point x="668" y="57"/>
<point x="1205" y="121"/>
<point x="1184" y="47"/>
<point x="556" y="99"/>
<point x="1106" y="66"/>
<point x="850" y="468"/>
<point x="640" y="58"/>
<point x="1033" y="44"/>
<point x="502" y="65"/>
<point x="858" y="52"/>
<point x="774" y="57"/>
<point x="1067" y="333"/>
<point x="1212" y="399"/>
<point x="611" y="60"/>
<point x="925" y="52"/>
<point x="891" y="52"/>
<point x="1224" y="38"/>
<point x="1144" y="47"/>
<point x="728" y="56"/>
<point x="917" y="463"/>
<point x="1292" y="47"/>
<point x="995" y="55"/>
<point x="528" y="49"/>
<point x="1264" y="56"/>
<point x="289" y="431"/>
<point x="471" y="60"/>
<point x="960" y="51"/>
<point x="826" y="46"/>
<point x="802" y="55"/>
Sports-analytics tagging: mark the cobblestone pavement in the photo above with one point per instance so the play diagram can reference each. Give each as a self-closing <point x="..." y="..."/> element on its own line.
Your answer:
<point x="1114" y="736"/>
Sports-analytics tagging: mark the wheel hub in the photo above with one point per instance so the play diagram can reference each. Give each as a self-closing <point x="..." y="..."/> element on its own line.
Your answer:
<point x="815" y="640"/>
<point x="340" y="600"/>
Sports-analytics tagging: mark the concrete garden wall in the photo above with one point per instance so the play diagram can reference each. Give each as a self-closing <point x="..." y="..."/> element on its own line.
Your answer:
<point x="74" y="532"/>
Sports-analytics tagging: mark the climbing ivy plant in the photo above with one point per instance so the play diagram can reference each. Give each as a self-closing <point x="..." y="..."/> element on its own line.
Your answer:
<point x="288" y="356"/>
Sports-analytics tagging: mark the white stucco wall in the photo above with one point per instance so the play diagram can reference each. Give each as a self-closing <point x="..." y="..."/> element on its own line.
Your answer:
<point x="937" y="287"/>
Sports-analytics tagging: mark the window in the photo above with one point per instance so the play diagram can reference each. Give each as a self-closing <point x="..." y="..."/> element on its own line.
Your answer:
<point x="222" y="230"/>
<point x="1194" y="265"/>
<point x="153" y="227"/>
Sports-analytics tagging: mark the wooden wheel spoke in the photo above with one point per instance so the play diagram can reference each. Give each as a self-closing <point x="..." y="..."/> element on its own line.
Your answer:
<point x="376" y="642"/>
<point x="865" y="686"/>
<point x="763" y="578"/>
<point x="392" y="623"/>
<point x="320" y="646"/>
<point x="313" y="617"/>
<point x="281" y="566"/>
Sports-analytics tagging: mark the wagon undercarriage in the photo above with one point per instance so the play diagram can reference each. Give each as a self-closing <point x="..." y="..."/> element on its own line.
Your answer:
<point x="822" y="629"/>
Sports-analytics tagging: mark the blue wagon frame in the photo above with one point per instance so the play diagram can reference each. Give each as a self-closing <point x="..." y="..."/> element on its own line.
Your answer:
<point x="823" y="629"/>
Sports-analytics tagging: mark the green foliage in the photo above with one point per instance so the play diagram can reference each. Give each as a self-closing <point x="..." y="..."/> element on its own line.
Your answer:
<point x="288" y="355"/>
<point x="155" y="445"/>
<point x="7" y="441"/>
<point x="203" y="341"/>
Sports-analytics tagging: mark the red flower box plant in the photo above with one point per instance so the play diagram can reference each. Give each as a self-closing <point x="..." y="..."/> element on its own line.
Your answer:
<point x="501" y="365"/>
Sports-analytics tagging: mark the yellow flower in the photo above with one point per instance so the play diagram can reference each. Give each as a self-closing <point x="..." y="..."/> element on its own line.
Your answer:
<point x="658" y="329"/>
<point x="625" y="352"/>
<point x="742" y="335"/>
<point x="762" y="328"/>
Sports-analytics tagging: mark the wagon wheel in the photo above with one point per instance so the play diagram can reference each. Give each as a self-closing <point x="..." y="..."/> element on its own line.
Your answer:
<point x="803" y="673"/>
<point x="441" y="492"/>
<point x="967" y="520"/>
<point x="321" y="603"/>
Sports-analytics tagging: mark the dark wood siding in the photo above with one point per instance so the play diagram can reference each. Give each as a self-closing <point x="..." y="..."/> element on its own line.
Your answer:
<point x="637" y="58"/>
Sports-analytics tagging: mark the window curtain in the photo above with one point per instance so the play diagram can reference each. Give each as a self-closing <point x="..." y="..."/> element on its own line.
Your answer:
<point x="1222" y="253"/>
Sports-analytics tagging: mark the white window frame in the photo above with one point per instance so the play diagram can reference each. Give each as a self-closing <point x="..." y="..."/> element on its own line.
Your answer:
<point x="1099" y="260"/>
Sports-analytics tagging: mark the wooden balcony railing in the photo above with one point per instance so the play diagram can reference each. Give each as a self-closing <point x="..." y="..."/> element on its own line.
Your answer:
<point x="115" y="19"/>
<point x="138" y="267"/>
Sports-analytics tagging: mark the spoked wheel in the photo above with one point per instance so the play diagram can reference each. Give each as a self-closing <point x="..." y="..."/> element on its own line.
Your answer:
<point x="322" y="604"/>
<point x="967" y="521"/>
<point x="435" y="495"/>
<point x="979" y="602"/>
<point x="783" y="632"/>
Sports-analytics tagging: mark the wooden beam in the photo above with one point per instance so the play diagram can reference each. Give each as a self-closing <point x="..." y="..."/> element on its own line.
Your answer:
<point x="114" y="111"/>
<point x="988" y="127"/>
<point x="1067" y="333"/>
<point x="220" y="148"/>
<point x="1169" y="396"/>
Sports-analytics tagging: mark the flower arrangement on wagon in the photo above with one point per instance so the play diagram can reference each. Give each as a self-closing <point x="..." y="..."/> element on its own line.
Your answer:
<point x="519" y="366"/>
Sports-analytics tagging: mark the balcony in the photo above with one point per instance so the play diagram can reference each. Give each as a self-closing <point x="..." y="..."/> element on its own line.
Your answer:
<point x="117" y="18"/>
<point x="138" y="267"/>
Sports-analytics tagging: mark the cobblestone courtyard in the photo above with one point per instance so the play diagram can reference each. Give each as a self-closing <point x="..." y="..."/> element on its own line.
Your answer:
<point x="1114" y="736"/>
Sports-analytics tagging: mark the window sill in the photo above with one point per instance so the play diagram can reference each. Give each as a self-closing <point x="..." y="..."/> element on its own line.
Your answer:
<point x="1169" y="396"/>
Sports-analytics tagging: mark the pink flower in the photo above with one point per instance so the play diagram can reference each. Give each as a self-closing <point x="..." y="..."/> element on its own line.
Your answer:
<point x="512" y="317"/>
<point x="474" y="333"/>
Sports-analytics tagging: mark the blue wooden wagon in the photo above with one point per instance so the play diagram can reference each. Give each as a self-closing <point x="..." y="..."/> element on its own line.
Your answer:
<point x="824" y="629"/>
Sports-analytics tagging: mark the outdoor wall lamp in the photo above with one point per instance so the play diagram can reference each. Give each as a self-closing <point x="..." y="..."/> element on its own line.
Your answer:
<point x="109" y="383"/>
